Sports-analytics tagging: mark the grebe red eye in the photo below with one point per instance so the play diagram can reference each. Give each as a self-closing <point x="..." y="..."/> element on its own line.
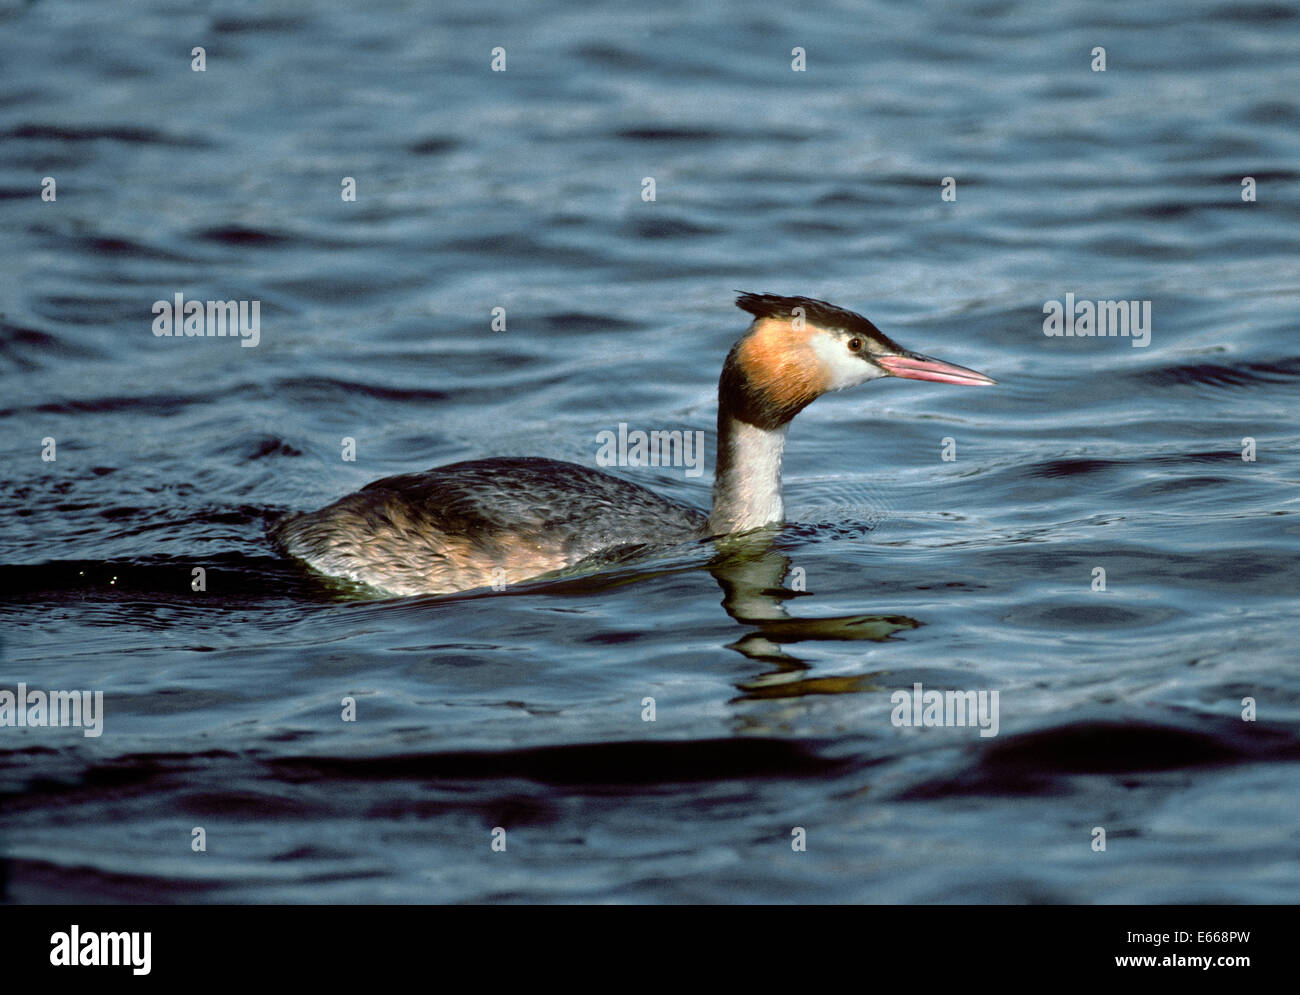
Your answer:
<point x="855" y="345"/>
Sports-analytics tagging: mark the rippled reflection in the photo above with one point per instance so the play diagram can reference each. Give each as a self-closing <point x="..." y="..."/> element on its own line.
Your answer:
<point x="752" y="571"/>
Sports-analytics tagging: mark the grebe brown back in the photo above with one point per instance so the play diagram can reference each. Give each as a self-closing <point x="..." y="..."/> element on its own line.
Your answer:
<point x="495" y="522"/>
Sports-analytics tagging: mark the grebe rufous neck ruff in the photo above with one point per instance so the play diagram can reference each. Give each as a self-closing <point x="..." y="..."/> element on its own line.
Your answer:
<point x="501" y="521"/>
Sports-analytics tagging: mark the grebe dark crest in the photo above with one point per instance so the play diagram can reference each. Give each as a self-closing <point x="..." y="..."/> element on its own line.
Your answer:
<point x="496" y="522"/>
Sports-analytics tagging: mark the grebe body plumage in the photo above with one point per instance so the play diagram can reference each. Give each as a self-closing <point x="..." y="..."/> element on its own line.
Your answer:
<point x="482" y="523"/>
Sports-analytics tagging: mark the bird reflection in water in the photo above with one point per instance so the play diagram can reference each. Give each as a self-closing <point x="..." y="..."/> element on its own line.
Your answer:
<point x="751" y="572"/>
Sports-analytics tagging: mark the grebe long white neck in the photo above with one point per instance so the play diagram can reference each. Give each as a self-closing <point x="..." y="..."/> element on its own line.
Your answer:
<point x="747" y="480"/>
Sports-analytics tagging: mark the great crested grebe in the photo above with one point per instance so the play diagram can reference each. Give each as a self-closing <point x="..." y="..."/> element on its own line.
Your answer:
<point x="493" y="522"/>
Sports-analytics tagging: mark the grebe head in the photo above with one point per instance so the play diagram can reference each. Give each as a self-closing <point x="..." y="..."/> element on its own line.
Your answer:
<point x="798" y="348"/>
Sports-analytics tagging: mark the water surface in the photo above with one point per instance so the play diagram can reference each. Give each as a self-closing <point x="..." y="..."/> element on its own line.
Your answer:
<point x="524" y="710"/>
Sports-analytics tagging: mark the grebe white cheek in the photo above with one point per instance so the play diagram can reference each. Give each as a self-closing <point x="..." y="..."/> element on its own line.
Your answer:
<point x="486" y="522"/>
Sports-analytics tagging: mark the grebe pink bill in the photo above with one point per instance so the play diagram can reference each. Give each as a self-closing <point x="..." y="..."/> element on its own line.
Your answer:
<point x="495" y="522"/>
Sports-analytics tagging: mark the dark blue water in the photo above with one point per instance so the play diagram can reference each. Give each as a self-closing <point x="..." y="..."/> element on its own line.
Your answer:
<point x="1120" y="709"/>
